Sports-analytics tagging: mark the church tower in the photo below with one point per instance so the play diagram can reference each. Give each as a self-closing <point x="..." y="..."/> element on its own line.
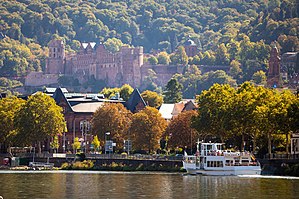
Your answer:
<point x="273" y="78"/>
<point x="56" y="60"/>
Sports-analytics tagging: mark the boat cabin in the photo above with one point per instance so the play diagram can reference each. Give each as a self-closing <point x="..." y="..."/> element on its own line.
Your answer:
<point x="211" y="149"/>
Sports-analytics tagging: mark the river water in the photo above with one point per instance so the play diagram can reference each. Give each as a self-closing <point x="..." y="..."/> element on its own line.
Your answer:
<point x="90" y="184"/>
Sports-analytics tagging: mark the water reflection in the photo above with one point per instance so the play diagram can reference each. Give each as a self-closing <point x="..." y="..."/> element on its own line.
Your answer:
<point x="141" y="185"/>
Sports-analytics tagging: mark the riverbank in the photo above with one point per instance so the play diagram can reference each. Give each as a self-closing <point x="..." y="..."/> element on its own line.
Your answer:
<point x="121" y="166"/>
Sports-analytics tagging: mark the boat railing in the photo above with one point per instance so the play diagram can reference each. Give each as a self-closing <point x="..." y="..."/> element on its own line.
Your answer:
<point x="213" y="153"/>
<point x="243" y="154"/>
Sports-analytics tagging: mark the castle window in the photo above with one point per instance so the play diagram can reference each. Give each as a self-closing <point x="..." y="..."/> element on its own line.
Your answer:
<point x="54" y="50"/>
<point x="54" y="55"/>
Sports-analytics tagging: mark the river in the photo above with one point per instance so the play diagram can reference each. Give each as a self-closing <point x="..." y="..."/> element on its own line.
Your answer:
<point x="92" y="184"/>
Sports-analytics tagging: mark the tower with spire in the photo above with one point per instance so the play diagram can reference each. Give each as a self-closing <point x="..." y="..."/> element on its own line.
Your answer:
<point x="274" y="75"/>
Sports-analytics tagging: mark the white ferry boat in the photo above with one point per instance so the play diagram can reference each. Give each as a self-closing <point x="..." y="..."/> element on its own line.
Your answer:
<point x="213" y="160"/>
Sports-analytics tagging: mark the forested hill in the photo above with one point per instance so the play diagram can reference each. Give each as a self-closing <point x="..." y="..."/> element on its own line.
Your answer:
<point x="156" y="25"/>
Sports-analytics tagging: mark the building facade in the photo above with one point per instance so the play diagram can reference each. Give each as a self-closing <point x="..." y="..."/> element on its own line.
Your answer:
<point x="283" y="70"/>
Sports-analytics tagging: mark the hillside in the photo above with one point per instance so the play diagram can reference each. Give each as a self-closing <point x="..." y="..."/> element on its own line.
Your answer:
<point x="224" y="30"/>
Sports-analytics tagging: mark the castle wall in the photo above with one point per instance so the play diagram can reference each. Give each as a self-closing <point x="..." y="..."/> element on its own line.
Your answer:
<point x="40" y="79"/>
<point x="164" y="72"/>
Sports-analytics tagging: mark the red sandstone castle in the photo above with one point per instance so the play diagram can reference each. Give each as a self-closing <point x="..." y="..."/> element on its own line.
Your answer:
<point x="94" y="60"/>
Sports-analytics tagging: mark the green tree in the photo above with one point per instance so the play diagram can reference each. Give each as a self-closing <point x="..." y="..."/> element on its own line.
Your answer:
<point x="153" y="99"/>
<point x="38" y="120"/>
<point x="152" y="60"/>
<point x="293" y="115"/>
<point x="222" y="56"/>
<point x="150" y="122"/>
<point x="125" y="91"/>
<point x="163" y="58"/>
<point x="259" y="77"/>
<point x="149" y="81"/>
<point x="210" y="78"/>
<point x="109" y="92"/>
<point x="235" y="70"/>
<point x="179" y="57"/>
<point x="9" y="107"/>
<point x="173" y="91"/>
<point x="113" y="45"/>
<point x="212" y="113"/>
<point x="54" y="144"/>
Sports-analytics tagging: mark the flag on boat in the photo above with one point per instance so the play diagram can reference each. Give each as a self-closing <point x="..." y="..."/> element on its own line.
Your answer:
<point x="185" y="153"/>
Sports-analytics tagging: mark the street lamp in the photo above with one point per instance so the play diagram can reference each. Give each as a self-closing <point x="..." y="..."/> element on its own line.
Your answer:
<point x="107" y="133"/>
<point x="191" y="141"/>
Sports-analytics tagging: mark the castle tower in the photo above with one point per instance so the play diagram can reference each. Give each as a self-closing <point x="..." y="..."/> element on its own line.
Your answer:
<point x="132" y="60"/>
<point x="190" y="48"/>
<point x="56" y="59"/>
<point x="273" y="78"/>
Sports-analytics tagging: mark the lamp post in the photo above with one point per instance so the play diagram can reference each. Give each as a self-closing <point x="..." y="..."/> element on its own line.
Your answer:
<point x="191" y="141"/>
<point x="107" y="133"/>
<point x="64" y="146"/>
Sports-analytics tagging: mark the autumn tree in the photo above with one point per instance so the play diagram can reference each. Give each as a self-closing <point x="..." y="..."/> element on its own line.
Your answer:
<point x="146" y="129"/>
<point x="38" y="120"/>
<point x="96" y="143"/>
<point x="113" y="118"/>
<point x="152" y="98"/>
<point x="76" y="145"/>
<point x="179" y="131"/>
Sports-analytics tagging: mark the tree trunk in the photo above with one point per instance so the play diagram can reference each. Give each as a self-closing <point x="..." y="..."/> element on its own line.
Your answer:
<point x="9" y="151"/>
<point x="269" y="143"/>
<point x="242" y="144"/>
<point x="253" y="145"/>
<point x="39" y="148"/>
<point x="287" y="144"/>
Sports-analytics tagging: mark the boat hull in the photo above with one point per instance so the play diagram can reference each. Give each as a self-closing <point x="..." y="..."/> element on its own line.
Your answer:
<point x="225" y="171"/>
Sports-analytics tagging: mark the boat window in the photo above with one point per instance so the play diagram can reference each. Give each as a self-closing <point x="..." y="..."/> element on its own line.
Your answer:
<point x="220" y="164"/>
<point x="215" y="164"/>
